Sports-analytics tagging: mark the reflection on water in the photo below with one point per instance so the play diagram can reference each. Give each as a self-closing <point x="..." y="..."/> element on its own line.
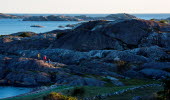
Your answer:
<point x="12" y="91"/>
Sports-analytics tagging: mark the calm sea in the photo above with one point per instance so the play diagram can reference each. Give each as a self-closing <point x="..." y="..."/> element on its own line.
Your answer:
<point x="8" y="91"/>
<point x="8" y="26"/>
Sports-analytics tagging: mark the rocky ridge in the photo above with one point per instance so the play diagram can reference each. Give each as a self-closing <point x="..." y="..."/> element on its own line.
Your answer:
<point x="89" y="54"/>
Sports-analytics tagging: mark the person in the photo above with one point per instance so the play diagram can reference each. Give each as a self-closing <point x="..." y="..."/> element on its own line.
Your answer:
<point x="45" y="58"/>
<point x="39" y="56"/>
<point x="49" y="61"/>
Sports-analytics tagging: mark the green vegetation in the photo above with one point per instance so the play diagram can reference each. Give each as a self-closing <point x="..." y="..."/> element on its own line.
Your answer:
<point x="152" y="19"/>
<point x="163" y="21"/>
<point x="84" y="91"/>
<point x="58" y="96"/>
<point x="25" y="34"/>
<point x="78" y="91"/>
<point x="147" y="93"/>
<point x="130" y="82"/>
<point x="93" y="91"/>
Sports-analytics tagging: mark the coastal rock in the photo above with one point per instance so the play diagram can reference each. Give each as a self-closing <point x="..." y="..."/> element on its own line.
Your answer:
<point x="7" y="16"/>
<point x="154" y="52"/>
<point x="117" y="35"/>
<point x="39" y="26"/>
<point x="157" y="65"/>
<point x="120" y="16"/>
<point x="78" y="81"/>
<point x="115" y="81"/>
<point x="154" y="73"/>
<point x="161" y="39"/>
<point x="51" y="18"/>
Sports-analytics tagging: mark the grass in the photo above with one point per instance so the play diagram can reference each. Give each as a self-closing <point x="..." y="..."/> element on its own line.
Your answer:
<point x="145" y="92"/>
<point x="93" y="91"/>
<point x="139" y="81"/>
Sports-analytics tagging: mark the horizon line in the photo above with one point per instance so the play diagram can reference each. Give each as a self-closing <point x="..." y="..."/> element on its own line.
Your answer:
<point x="86" y="13"/>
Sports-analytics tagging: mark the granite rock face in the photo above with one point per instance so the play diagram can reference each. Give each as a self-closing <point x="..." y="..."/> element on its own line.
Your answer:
<point x="118" y="35"/>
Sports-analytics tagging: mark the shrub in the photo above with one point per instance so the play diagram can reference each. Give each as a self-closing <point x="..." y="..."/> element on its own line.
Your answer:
<point x="121" y="65"/>
<point x="58" y="96"/>
<point x="163" y="21"/>
<point x="78" y="91"/>
<point x="58" y="35"/>
<point x="152" y="19"/>
<point x="25" y="35"/>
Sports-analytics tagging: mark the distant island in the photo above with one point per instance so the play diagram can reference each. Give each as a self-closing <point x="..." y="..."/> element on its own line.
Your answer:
<point x="8" y="16"/>
<point x="78" y="18"/>
<point x="67" y="18"/>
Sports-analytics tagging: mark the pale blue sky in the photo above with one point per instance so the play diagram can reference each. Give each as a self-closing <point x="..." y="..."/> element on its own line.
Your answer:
<point x="84" y="6"/>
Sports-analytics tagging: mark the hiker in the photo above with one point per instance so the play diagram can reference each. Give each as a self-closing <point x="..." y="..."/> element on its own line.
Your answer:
<point x="39" y="56"/>
<point x="49" y="61"/>
<point x="45" y="58"/>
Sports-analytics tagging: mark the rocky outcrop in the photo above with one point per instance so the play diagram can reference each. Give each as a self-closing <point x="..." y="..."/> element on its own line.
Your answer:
<point x="78" y="81"/>
<point x="118" y="35"/>
<point x="7" y="16"/>
<point x="155" y="73"/>
<point x="112" y="49"/>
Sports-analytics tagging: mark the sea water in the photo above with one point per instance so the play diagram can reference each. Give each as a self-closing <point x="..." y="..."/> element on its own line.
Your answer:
<point x="8" y="91"/>
<point x="9" y="26"/>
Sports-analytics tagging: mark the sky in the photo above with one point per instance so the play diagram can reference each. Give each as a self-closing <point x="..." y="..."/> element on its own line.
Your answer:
<point x="84" y="6"/>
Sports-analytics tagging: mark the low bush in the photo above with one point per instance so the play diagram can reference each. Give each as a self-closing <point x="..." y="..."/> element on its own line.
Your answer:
<point x="78" y="91"/>
<point x="152" y="19"/>
<point x="25" y="35"/>
<point x="58" y="35"/>
<point x="163" y="21"/>
<point x="58" y="96"/>
<point x="121" y="65"/>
